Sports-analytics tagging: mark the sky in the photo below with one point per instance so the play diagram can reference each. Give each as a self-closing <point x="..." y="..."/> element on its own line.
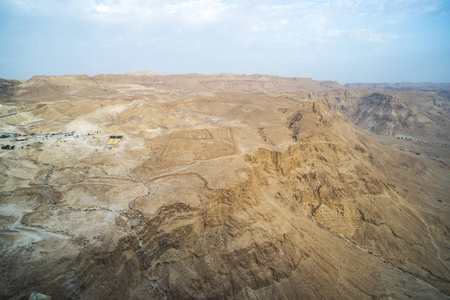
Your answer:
<point x="342" y="40"/>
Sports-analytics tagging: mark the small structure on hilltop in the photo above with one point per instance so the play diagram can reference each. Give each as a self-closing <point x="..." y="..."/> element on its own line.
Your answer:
<point x="113" y="141"/>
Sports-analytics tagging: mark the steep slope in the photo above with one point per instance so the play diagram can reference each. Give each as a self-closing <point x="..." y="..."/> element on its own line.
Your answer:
<point x="412" y="115"/>
<point x="6" y="87"/>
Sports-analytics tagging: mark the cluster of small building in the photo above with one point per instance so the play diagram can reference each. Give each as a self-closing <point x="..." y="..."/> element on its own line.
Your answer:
<point x="113" y="141"/>
<point x="24" y="137"/>
<point x="58" y="136"/>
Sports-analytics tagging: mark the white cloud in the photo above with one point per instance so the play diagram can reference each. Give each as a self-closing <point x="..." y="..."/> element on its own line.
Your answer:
<point x="193" y="12"/>
<point x="320" y="20"/>
<point x="200" y="11"/>
<point x="102" y="8"/>
<point x="369" y="35"/>
<point x="363" y="34"/>
<point x="128" y="11"/>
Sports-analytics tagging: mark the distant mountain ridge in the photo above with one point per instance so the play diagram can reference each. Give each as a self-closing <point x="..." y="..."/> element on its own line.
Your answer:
<point x="401" y="86"/>
<point x="84" y="85"/>
<point x="142" y="73"/>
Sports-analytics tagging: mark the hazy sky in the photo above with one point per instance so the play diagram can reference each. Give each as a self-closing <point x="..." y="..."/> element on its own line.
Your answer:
<point x="343" y="40"/>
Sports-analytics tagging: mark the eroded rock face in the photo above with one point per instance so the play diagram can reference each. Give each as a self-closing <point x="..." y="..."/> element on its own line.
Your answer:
<point x="6" y="87"/>
<point x="220" y="196"/>
<point x="411" y="115"/>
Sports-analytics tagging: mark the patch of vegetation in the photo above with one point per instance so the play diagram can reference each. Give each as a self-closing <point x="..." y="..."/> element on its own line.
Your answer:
<point x="8" y="147"/>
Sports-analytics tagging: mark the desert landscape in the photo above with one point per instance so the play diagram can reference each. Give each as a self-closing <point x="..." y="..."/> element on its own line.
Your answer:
<point x="223" y="186"/>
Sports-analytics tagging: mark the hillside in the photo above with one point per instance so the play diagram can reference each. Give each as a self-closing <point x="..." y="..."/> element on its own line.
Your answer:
<point x="6" y="87"/>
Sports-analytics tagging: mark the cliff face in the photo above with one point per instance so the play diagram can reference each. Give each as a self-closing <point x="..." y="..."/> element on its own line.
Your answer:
<point x="413" y="115"/>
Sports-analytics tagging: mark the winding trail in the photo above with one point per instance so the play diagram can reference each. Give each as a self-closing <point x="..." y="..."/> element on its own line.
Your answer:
<point x="438" y="250"/>
<point x="183" y="174"/>
<point x="45" y="180"/>
<point x="79" y="240"/>
<point x="13" y="114"/>
<point x="72" y="288"/>
<point x="137" y="215"/>
<point x="44" y="189"/>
